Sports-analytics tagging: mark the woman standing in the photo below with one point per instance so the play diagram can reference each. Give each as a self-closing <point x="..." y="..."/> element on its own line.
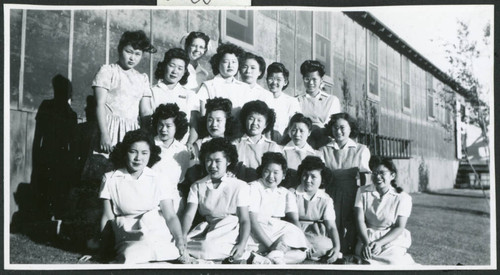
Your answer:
<point x="196" y="46"/>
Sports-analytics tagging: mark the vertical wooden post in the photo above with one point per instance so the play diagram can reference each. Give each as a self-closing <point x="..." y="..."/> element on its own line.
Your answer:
<point x="22" y="57"/>
<point x="71" y="37"/>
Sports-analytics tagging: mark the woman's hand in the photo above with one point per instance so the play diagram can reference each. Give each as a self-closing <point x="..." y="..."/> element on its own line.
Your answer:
<point x="375" y="248"/>
<point x="105" y="144"/>
<point x="366" y="252"/>
<point x="237" y="251"/>
<point x="332" y="255"/>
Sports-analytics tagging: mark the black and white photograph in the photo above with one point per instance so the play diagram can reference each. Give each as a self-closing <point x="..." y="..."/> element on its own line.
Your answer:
<point x="249" y="137"/>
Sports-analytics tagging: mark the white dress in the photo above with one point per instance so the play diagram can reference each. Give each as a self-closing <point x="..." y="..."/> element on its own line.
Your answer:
<point x="380" y="215"/>
<point x="271" y="205"/>
<point x="215" y="238"/>
<point x="172" y="168"/>
<point x="141" y="233"/>
<point x="285" y="107"/>
<point x="196" y="77"/>
<point x="184" y="98"/>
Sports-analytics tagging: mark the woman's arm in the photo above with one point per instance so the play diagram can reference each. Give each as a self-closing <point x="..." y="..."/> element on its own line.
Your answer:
<point x="244" y="232"/>
<point x="193" y="130"/>
<point x="107" y="213"/>
<point x="396" y="230"/>
<point x="333" y="233"/>
<point x="293" y="217"/>
<point x="100" y="95"/>
<point x="257" y="231"/>
<point x="145" y="112"/>
<point x="187" y="218"/>
<point x="362" y="231"/>
<point x="173" y="223"/>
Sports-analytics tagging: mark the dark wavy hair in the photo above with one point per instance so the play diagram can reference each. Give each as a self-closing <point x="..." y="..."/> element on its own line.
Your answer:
<point x="171" y="110"/>
<point x="259" y="59"/>
<point x="277" y="67"/>
<point x="272" y="157"/>
<point x="219" y="144"/>
<point x="138" y="40"/>
<point x="169" y="55"/>
<point x="217" y="104"/>
<point x="221" y="51"/>
<point x="353" y="124"/>
<point x="310" y="66"/>
<point x="311" y="163"/>
<point x="300" y="118"/>
<point x="192" y="36"/>
<point x="389" y="164"/>
<point x="119" y="155"/>
<point x="260" y="107"/>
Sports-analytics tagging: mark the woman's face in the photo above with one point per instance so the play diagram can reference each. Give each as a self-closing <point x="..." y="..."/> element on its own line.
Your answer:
<point x="382" y="176"/>
<point x="276" y="82"/>
<point x="197" y="49"/>
<point x="138" y="156"/>
<point x="299" y="132"/>
<point x="272" y="175"/>
<point x="250" y="71"/>
<point x="256" y="123"/>
<point x="216" y="123"/>
<point x="228" y="65"/>
<point x="129" y="57"/>
<point x="341" y="130"/>
<point x="216" y="164"/>
<point x="311" y="180"/>
<point x="166" y="129"/>
<point x="174" y="71"/>
<point x="312" y="82"/>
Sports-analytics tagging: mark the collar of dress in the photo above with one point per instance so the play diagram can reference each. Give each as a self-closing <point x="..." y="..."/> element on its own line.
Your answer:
<point x="291" y="146"/>
<point x="350" y="143"/>
<point x="262" y="139"/>
<point x="319" y="194"/>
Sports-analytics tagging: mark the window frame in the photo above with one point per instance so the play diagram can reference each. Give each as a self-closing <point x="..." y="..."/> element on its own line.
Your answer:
<point x="226" y="38"/>
<point x="326" y="78"/>
<point x="370" y="95"/>
<point x="406" y="110"/>
<point x="430" y="93"/>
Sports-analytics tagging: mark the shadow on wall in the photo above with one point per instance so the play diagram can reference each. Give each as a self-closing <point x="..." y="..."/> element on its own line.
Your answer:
<point x="57" y="206"/>
<point x="423" y="176"/>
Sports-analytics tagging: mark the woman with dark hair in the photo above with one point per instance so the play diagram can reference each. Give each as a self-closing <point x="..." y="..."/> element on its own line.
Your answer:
<point x="223" y="201"/>
<point x="169" y="126"/>
<point x="257" y="119"/>
<point x="316" y="213"/>
<point x="283" y="104"/>
<point x="348" y="162"/>
<point x="253" y="68"/>
<point x="382" y="210"/>
<point x="315" y="103"/>
<point x="171" y="74"/>
<point x="196" y="46"/>
<point x="131" y="196"/>
<point x="281" y="240"/>
<point x="121" y="92"/>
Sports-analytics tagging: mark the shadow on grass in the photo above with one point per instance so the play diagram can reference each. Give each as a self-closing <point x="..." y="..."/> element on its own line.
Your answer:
<point x="461" y="210"/>
<point x="478" y="196"/>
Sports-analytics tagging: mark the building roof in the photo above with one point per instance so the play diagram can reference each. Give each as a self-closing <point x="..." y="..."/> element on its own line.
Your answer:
<point x="392" y="39"/>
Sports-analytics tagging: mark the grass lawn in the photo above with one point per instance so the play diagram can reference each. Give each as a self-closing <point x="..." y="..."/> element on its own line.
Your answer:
<point x="446" y="230"/>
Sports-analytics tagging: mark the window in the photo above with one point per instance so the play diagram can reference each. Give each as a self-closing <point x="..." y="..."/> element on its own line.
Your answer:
<point x="237" y="26"/>
<point x="323" y="42"/>
<point x="373" y="77"/>
<point x="430" y="96"/>
<point x="405" y="73"/>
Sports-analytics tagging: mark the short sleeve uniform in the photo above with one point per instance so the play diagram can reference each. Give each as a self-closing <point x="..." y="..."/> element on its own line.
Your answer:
<point x="345" y="163"/>
<point x="272" y="204"/>
<point x="250" y="155"/>
<point x="320" y="107"/>
<point x="135" y="205"/>
<point x="313" y="211"/>
<point x="184" y="98"/>
<point x="172" y="167"/>
<point x="125" y="89"/>
<point x="196" y="77"/>
<point x="285" y="107"/>
<point x="294" y="156"/>
<point x="214" y="239"/>
<point x="380" y="215"/>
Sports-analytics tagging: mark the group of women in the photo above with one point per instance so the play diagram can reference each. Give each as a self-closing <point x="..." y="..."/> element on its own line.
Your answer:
<point x="223" y="169"/>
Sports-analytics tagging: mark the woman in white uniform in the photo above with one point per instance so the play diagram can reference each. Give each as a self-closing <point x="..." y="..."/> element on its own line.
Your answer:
<point x="196" y="46"/>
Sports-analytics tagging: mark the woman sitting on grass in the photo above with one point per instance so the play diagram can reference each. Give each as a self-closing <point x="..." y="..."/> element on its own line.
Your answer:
<point x="131" y="195"/>
<point x="382" y="210"/>
<point x="316" y="214"/>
